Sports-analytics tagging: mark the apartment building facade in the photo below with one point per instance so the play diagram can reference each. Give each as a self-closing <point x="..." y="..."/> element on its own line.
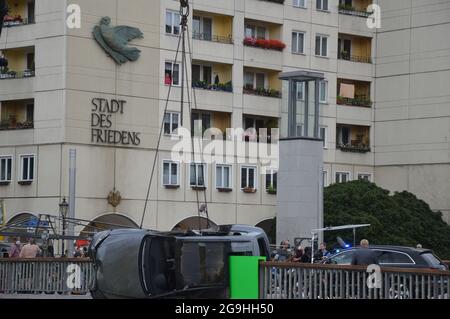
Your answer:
<point x="57" y="77"/>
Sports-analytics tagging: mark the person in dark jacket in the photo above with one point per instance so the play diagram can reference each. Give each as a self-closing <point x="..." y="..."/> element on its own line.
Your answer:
<point x="364" y="256"/>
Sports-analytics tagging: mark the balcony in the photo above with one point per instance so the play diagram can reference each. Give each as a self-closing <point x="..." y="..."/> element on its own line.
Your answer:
<point x="259" y="128"/>
<point x="216" y="122"/>
<point x="17" y="115"/>
<point x="261" y="82"/>
<point x="352" y="138"/>
<point x="354" y="48"/>
<point x="212" y="76"/>
<point x="21" y="12"/>
<point x="357" y="8"/>
<point x="353" y="93"/>
<point x="17" y="63"/>
<point x="275" y="1"/>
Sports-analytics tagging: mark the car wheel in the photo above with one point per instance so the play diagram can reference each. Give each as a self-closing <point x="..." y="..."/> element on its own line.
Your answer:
<point x="399" y="292"/>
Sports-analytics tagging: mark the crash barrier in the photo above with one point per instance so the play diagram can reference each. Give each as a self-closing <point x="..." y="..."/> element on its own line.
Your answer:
<point x="313" y="281"/>
<point x="46" y="275"/>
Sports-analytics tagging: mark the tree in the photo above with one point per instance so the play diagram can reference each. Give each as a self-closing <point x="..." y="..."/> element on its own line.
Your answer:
<point x="398" y="219"/>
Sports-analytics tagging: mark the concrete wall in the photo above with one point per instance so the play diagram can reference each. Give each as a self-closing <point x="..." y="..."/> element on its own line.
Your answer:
<point x="300" y="199"/>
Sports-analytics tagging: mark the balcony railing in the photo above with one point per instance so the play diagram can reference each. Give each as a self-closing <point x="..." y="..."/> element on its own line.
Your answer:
<point x="17" y="75"/>
<point x="224" y="87"/>
<point x="13" y="125"/>
<point x="354" y="147"/>
<point x="262" y="92"/>
<point x="349" y="10"/>
<point x="354" y="58"/>
<point x="212" y="38"/>
<point x="10" y="21"/>
<point x="361" y="100"/>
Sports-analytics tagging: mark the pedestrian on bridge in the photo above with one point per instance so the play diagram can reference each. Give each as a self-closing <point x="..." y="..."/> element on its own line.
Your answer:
<point x="364" y="255"/>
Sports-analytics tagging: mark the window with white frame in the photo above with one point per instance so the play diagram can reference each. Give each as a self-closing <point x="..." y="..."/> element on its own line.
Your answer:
<point x="342" y="177"/>
<point x="27" y="168"/>
<point x="256" y="32"/>
<point x="298" y="42"/>
<point x="171" y="122"/>
<point x="299" y="3"/>
<point x="323" y="92"/>
<point x="202" y="28"/>
<point x="325" y="179"/>
<point x="173" y="22"/>
<point x="223" y="176"/>
<point x="322" y="45"/>
<point x="197" y="175"/>
<point x="172" y="73"/>
<point x="323" y="135"/>
<point x="271" y="179"/>
<point x="5" y="169"/>
<point x="322" y="5"/>
<point x="248" y="177"/>
<point x="365" y="177"/>
<point x="171" y="173"/>
<point x="301" y="90"/>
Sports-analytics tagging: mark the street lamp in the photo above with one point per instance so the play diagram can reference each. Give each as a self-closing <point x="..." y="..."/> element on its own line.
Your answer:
<point x="63" y="210"/>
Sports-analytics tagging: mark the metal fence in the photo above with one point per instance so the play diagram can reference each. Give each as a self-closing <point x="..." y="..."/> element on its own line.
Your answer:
<point x="306" y="281"/>
<point x="46" y="275"/>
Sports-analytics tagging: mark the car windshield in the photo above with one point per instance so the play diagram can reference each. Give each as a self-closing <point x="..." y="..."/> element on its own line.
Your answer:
<point x="432" y="260"/>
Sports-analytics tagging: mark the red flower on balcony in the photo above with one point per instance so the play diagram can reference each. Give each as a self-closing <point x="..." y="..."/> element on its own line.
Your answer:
<point x="265" y="44"/>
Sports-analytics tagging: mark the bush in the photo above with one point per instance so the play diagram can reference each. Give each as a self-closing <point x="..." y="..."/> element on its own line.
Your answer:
<point x="399" y="219"/>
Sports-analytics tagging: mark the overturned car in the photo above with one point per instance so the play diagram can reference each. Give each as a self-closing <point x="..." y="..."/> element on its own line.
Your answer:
<point x="135" y="263"/>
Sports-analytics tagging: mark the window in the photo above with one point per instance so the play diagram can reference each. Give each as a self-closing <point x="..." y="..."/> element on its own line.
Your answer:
<point x="257" y="32"/>
<point x="391" y="257"/>
<point x="26" y="168"/>
<point x="342" y="177"/>
<point x="202" y="28"/>
<point x="171" y="173"/>
<point x="322" y="5"/>
<point x="343" y="135"/>
<point x="299" y="130"/>
<point x="344" y="258"/>
<point x="248" y="177"/>
<point x="172" y="74"/>
<point x="5" y="169"/>
<point x="171" y="122"/>
<point x="301" y="90"/>
<point x="323" y="136"/>
<point x="365" y="177"/>
<point x="322" y="45"/>
<point x="344" y="49"/>
<point x="271" y="179"/>
<point x="323" y="92"/>
<point x="173" y="22"/>
<point x="254" y="80"/>
<point x="298" y="41"/>
<point x="325" y="179"/>
<point x="223" y="176"/>
<point x="201" y="118"/>
<point x="299" y="3"/>
<point x="201" y="73"/>
<point x="197" y="173"/>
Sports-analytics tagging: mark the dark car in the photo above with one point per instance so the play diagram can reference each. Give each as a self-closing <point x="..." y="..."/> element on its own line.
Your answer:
<point x="394" y="256"/>
<point x="148" y="264"/>
<point x="4" y="249"/>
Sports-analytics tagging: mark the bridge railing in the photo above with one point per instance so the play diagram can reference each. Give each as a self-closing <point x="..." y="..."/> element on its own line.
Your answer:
<point x="46" y="275"/>
<point x="305" y="281"/>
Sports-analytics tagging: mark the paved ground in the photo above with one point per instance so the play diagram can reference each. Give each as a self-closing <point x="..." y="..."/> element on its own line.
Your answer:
<point x="43" y="296"/>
